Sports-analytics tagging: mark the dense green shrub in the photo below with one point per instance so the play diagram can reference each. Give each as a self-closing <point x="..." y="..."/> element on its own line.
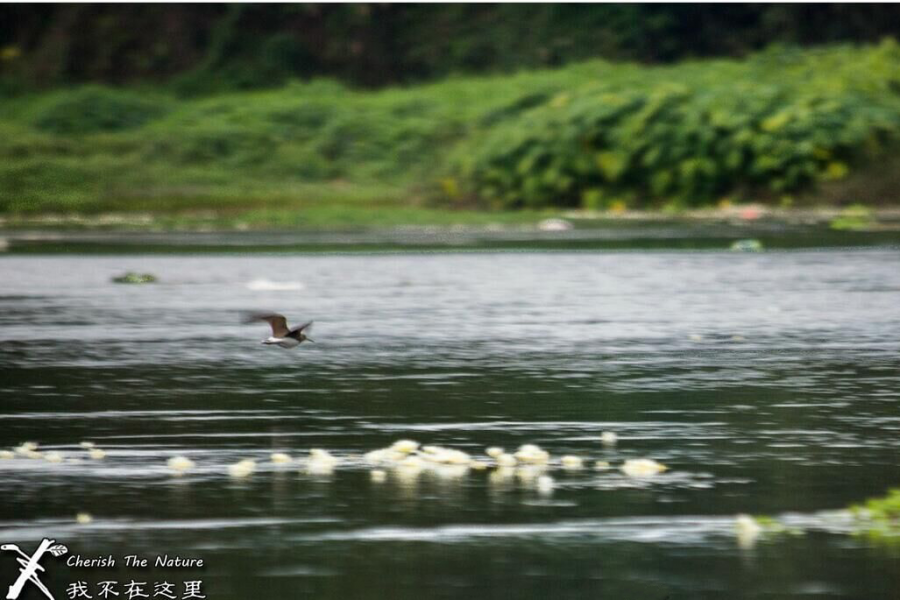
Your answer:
<point x="692" y="133"/>
<point x="93" y="108"/>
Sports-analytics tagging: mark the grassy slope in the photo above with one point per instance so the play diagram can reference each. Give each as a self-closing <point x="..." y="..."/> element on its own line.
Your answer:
<point x="307" y="155"/>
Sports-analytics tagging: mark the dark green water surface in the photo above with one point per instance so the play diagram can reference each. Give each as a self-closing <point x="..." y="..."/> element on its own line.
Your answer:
<point x="769" y="384"/>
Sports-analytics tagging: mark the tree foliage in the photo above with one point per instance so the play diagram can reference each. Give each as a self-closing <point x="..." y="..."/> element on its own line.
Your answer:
<point x="201" y="48"/>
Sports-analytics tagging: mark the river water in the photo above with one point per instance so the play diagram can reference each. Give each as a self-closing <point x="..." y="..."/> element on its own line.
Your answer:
<point x="768" y="383"/>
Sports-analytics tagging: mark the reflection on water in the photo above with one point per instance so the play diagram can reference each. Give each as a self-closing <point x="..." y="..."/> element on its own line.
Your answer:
<point x="767" y="383"/>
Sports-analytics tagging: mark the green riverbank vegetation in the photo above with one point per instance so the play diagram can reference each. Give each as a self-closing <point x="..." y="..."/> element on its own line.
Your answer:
<point x="783" y="126"/>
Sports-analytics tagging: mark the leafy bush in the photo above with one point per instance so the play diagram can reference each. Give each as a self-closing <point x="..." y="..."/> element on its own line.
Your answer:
<point x="692" y="133"/>
<point x="92" y="109"/>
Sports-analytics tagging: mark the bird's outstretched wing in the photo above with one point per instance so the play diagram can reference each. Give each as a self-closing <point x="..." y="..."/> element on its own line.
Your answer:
<point x="276" y="321"/>
<point x="305" y="328"/>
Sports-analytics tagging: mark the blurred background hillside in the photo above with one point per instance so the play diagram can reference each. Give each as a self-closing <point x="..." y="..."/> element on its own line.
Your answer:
<point x="201" y="48"/>
<point x="355" y="115"/>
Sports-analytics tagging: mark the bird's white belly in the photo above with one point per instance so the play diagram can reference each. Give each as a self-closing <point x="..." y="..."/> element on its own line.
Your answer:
<point x="283" y="342"/>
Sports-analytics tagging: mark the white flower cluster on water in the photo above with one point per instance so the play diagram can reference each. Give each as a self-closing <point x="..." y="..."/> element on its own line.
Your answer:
<point x="30" y="450"/>
<point x="404" y="460"/>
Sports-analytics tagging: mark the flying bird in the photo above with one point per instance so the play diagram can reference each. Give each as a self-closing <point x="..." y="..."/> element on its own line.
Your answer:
<point x="281" y="334"/>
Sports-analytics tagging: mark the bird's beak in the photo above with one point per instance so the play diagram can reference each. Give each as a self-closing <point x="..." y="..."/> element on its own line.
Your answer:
<point x="309" y="339"/>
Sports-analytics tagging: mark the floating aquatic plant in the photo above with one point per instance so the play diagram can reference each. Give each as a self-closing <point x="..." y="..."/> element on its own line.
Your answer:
<point x="131" y="277"/>
<point x="878" y="519"/>
<point x="746" y="246"/>
<point x="886" y="508"/>
<point x="855" y="217"/>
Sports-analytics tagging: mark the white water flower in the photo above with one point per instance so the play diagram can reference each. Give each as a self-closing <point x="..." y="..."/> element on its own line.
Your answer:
<point x="501" y="476"/>
<point x="97" y="453"/>
<point x="747" y="530"/>
<point x="322" y="456"/>
<point x="494" y="451"/>
<point x="180" y="463"/>
<point x="54" y="457"/>
<point x="378" y="476"/>
<point x="544" y="485"/>
<point x="506" y="460"/>
<point x="609" y="438"/>
<point x="86" y="445"/>
<point x="26" y="448"/>
<point x="451" y="471"/>
<point x="413" y="462"/>
<point x="642" y="467"/>
<point x="242" y="468"/>
<point x="83" y="518"/>
<point x="7" y="454"/>
<point x="280" y="458"/>
<point x="375" y="456"/>
<point x="572" y="462"/>
<point x="601" y="465"/>
<point x="457" y="457"/>
<point x="448" y="456"/>
<point x="405" y="446"/>
<point x="319" y="467"/>
<point x="530" y="453"/>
